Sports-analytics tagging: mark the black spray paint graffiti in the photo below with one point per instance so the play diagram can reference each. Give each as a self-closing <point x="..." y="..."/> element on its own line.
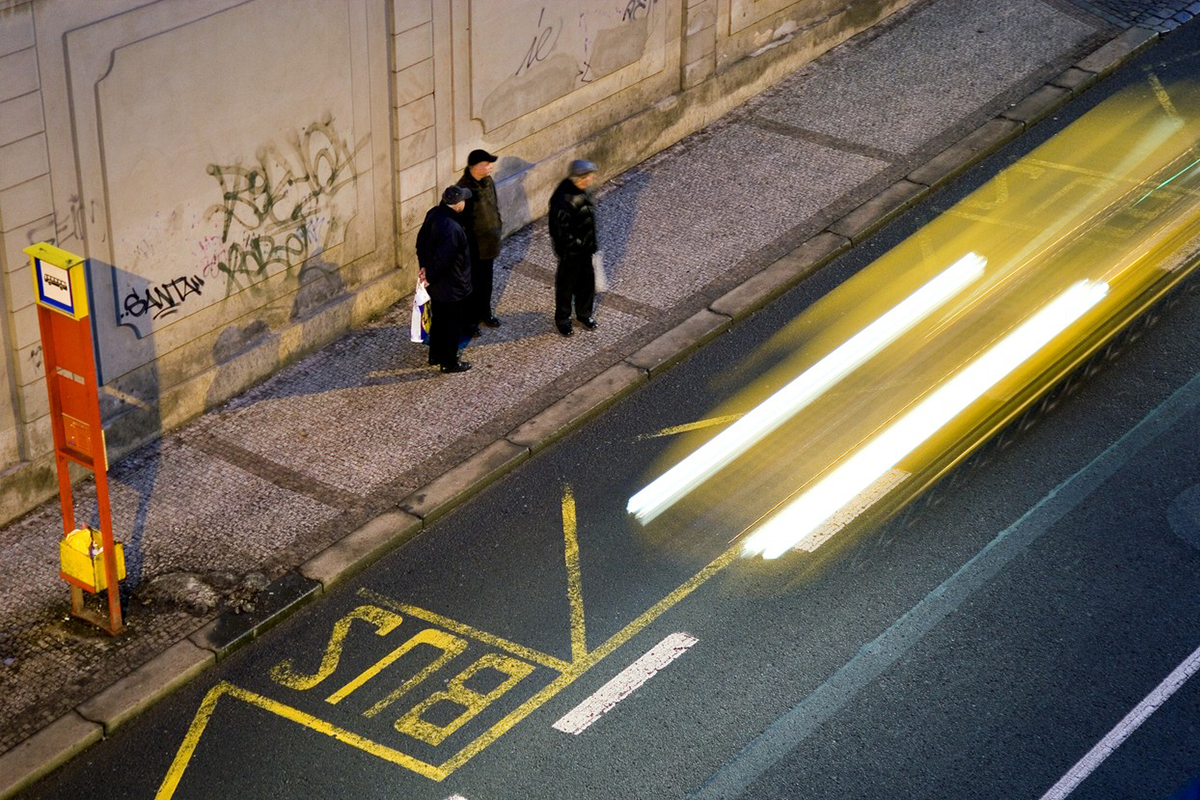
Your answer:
<point x="162" y="300"/>
<point x="635" y="7"/>
<point x="544" y="42"/>
<point x="547" y="34"/>
<point x="267" y="208"/>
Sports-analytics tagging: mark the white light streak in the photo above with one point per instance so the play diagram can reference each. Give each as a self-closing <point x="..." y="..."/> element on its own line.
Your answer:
<point x="804" y="515"/>
<point x="777" y="409"/>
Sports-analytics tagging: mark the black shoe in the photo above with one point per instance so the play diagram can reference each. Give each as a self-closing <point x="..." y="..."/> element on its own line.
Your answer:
<point x="475" y="332"/>
<point x="589" y="323"/>
<point x="565" y="328"/>
<point x="492" y="322"/>
<point x="457" y="366"/>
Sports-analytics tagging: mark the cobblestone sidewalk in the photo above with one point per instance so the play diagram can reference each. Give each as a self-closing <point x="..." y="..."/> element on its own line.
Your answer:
<point x="1162" y="16"/>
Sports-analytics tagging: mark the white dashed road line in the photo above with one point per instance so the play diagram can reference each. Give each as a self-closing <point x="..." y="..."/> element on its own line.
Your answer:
<point x="607" y="696"/>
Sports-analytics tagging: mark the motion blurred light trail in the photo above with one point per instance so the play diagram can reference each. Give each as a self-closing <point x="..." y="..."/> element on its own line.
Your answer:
<point x="1114" y="199"/>
<point x="796" y="522"/>
<point x="781" y="406"/>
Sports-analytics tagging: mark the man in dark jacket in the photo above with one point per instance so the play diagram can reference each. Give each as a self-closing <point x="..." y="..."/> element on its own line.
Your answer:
<point x="481" y="221"/>
<point x="445" y="268"/>
<point x="573" y="231"/>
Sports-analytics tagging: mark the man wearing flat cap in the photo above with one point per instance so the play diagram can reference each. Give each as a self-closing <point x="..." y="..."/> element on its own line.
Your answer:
<point x="444" y="257"/>
<point x="481" y="220"/>
<point x="573" y="231"/>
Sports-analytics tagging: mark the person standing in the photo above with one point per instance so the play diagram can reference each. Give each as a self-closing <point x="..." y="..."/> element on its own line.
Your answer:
<point x="572" y="221"/>
<point x="444" y="257"/>
<point x="481" y="220"/>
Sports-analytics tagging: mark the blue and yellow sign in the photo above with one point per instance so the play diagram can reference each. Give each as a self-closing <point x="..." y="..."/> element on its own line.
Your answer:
<point x="59" y="282"/>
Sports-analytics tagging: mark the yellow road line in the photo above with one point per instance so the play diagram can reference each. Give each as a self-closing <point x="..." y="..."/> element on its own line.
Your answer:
<point x="1160" y="93"/>
<point x="529" y="654"/>
<point x="592" y="659"/>
<point x="574" y="577"/>
<point x="184" y="755"/>
<point x="692" y="426"/>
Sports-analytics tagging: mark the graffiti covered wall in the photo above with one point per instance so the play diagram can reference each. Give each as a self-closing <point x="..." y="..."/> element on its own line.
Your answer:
<point x="246" y="177"/>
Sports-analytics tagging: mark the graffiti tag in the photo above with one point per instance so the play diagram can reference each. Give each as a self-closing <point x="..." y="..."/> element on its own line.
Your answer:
<point x="266" y="208"/>
<point x="162" y="300"/>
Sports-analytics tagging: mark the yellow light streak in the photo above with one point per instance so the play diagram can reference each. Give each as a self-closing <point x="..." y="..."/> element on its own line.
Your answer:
<point x="799" y="519"/>
<point x="739" y="437"/>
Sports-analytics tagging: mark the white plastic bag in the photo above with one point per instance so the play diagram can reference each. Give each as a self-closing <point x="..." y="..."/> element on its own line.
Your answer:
<point x="598" y="268"/>
<point x="419" y="327"/>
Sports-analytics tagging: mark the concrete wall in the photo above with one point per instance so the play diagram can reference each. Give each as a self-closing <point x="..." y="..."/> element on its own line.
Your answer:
<point x="247" y="177"/>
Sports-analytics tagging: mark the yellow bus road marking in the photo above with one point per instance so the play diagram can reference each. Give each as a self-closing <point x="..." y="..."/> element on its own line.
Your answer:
<point x="692" y="426"/>
<point x="529" y="654"/>
<point x="386" y="615"/>
<point x="175" y="772"/>
<point x="593" y="658"/>
<point x="574" y="577"/>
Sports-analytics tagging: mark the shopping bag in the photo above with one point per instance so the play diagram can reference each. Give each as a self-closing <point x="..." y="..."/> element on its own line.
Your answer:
<point x="598" y="268"/>
<point x="419" y="327"/>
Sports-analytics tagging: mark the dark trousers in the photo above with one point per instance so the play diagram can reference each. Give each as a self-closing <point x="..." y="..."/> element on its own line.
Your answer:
<point x="447" y="321"/>
<point x="576" y="281"/>
<point x="481" y="288"/>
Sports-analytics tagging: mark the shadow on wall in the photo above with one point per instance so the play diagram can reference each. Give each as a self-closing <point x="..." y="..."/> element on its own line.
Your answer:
<point x="242" y="352"/>
<point x="514" y="205"/>
<point x="129" y="411"/>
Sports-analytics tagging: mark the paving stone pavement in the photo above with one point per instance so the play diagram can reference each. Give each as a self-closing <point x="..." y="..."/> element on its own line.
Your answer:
<point x="254" y="489"/>
<point x="1162" y="16"/>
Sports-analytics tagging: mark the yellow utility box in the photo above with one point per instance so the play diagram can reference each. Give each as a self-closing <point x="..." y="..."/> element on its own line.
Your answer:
<point x="82" y="555"/>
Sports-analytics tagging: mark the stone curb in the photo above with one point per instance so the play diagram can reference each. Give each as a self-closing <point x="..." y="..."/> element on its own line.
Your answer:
<point x="672" y="346"/>
<point x="580" y="405"/>
<point x="758" y="290"/>
<point x="1118" y="51"/>
<point x="146" y="685"/>
<point x="235" y="628"/>
<point x="356" y="551"/>
<point x="455" y="487"/>
<point x="64" y="738"/>
<point x="979" y="143"/>
<point x="880" y="209"/>
<point x="41" y="753"/>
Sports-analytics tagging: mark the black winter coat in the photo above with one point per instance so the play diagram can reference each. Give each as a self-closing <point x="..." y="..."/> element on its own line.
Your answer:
<point x="572" y="221"/>
<point x="443" y="253"/>
<point x="481" y="217"/>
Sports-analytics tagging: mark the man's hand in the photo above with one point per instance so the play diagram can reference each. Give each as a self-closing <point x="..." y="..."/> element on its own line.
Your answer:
<point x="421" y="277"/>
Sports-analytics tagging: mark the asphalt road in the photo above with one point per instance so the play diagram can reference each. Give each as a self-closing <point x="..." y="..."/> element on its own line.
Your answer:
<point x="979" y="646"/>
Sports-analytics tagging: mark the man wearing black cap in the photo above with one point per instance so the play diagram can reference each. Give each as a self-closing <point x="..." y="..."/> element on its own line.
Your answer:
<point x="445" y="268"/>
<point x="481" y="220"/>
<point x="573" y="231"/>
